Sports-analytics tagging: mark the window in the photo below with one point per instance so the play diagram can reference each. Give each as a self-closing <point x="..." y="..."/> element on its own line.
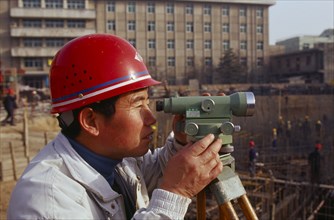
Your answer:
<point x="33" y="62"/>
<point x="152" y="61"/>
<point x="190" y="61"/>
<point x="54" y="42"/>
<point x="32" y="42"/>
<point x="243" y="61"/>
<point x="243" y="45"/>
<point x="151" y="43"/>
<point x="32" y="23"/>
<point x="226" y="44"/>
<point x="76" y="4"/>
<point x="208" y="61"/>
<point x="131" y="25"/>
<point x="259" y="61"/>
<point x="243" y="12"/>
<point x="131" y="7"/>
<point x="259" y="45"/>
<point x="54" y="3"/>
<point x="190" y="44"/>
<point x="170" y="8"/>
<point x="207" y="44"/>
<point x="259" y="29"/>
<point x="225" y="10"/>
<point x="243" y="28"/>
<point x="308" y="60"/>
<point x="132" y="42"/>
<point x="150" y="7"/>
<point x="54" y="23"/>
<point x="31" y="3"/>
<point x="189" y="9"/>
<point x="306" y="46"/>
<point x="207" y="27"/>
<point x="170" y="61"/>
<point x="151" y="26"/>
<point x="189" y="26"/>
<point x="170" y="44"/>
<point x="111" y="25"/>
<point x="170" y="25"/>
<point x="226" y="28"/>
<point x="207" y="10"/>
<point x="297" y="63"/>
<point x="259" y="12"/>
<point x="76" y="24"/>
<point x="111" y="6"/>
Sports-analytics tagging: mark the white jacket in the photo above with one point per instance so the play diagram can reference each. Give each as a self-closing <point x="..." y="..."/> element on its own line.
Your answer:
<point x="59" y="184"/>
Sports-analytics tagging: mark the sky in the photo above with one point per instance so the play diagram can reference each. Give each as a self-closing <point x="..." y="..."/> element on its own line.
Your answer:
<point x="290" y="18"/>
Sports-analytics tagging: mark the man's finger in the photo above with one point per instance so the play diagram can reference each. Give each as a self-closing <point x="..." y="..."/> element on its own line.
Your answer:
<point x="200" y="146"/>
<point x="211" y="153"/>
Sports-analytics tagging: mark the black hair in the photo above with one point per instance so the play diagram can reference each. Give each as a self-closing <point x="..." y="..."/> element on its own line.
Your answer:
<point x="105" y="107"/>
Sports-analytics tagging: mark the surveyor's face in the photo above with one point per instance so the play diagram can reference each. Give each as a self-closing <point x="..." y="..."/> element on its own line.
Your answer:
<point x="128" y="132"/>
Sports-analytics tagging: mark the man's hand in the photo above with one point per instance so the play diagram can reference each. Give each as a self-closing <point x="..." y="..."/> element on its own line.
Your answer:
<point x="193" y="167"/>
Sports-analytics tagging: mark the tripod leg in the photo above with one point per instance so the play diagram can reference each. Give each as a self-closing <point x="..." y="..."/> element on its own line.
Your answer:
<point x="201" y="203"/>
<point x="226" y="211"/>
<point x="247" y="208"/>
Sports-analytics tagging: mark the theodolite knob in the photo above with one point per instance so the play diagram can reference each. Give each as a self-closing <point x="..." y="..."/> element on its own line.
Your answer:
<point x="208" y="105"/>
<point x="227" y="128"/>
<point x="191" y="129"/>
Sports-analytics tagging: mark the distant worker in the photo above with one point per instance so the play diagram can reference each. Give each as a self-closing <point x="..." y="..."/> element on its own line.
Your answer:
<point x="252" y="154"/>
<point x="314" y="160"/>
<point x="306" y="128"/>
<point x="9" y="102"/>
<point x="274" y="141"/>
<point x="288" y="129"/>
<point x="35" y="98"/>
<point x="318" y="128"/>
<point x="280" y="126"/>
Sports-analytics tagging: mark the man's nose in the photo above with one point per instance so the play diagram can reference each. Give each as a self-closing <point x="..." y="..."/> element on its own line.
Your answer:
<point x="150" y="119"/>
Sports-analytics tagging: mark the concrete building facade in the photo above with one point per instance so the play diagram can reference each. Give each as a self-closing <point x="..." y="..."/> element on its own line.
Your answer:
<point x="179" y="40"/>
<point x="305" y="42"/>
<point x="305" y="59"/>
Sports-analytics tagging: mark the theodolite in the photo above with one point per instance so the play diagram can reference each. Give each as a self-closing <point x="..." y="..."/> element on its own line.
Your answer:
<point x="213" y="114"/>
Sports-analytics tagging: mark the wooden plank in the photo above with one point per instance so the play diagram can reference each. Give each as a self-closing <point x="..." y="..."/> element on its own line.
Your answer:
<point x="13" y="160"/>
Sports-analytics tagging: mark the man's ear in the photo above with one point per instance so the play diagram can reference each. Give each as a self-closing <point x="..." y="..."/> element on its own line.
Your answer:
<point x="87" y="120"/>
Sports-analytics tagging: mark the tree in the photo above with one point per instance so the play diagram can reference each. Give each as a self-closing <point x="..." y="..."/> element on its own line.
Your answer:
<point x="229" y="69"/>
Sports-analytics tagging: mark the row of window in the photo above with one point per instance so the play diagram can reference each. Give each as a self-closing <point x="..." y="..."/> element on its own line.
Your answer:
<point x="54" y="23"/>
<point x="171" y="62"/>
<point x="151" y="43"/>
<point x="48" y="42"/>
<point x="189" y="26"/>
<point x="189" y="8"/>
<point x="71" y="4"/>
<point x="131" y="7"/>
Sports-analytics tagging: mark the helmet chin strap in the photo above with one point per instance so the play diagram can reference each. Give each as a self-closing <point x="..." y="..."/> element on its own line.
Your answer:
<point x="65" y="119"/>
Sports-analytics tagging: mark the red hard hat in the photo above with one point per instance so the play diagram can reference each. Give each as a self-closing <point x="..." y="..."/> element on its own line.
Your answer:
<point x="93" y="68"/>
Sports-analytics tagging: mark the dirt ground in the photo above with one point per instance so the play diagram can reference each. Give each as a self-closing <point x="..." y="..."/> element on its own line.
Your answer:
<point x="38" y="122"/>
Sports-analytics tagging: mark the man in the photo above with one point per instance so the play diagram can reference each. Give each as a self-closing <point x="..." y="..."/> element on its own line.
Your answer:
<point x="9" y="102"/>
<point x="99" y="166"/>
<point x="252" y="155"/>
<point x="314" y="160"/>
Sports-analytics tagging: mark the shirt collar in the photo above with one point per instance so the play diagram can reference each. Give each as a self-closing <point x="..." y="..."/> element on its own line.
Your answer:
<point x="104" y="165"/>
